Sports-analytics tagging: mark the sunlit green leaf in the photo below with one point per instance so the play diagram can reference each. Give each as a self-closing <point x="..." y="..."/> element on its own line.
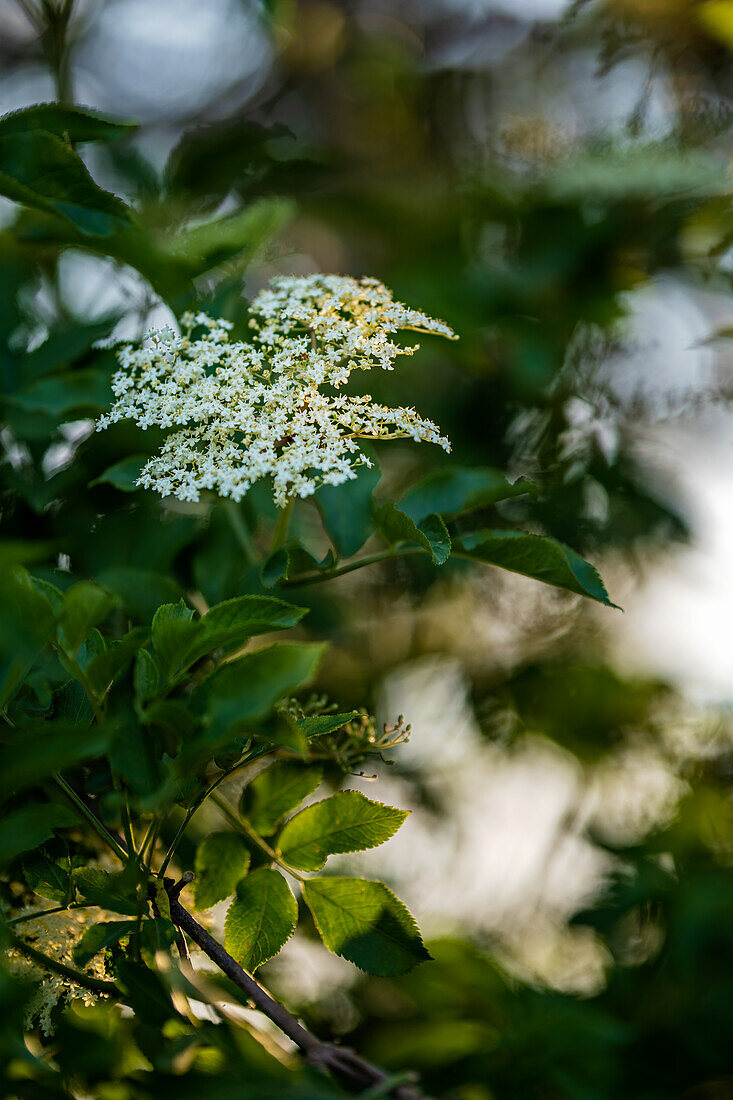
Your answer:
<point x="261" y="918"/>
<point x="366" y="923"/>
<point x="346" y="822"/>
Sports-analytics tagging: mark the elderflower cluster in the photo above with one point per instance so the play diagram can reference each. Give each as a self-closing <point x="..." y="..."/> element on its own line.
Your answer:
<point x="239" y="412"/>
<point x="56" y="935"/>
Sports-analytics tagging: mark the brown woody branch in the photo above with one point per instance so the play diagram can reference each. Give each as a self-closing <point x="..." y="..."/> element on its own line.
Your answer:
<point x="352" y="1071"/>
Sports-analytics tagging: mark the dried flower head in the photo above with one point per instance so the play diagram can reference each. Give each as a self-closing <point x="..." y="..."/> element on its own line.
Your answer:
<point x="244" y="411"/>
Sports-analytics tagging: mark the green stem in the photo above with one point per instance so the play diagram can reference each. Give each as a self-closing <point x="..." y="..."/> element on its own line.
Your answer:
<point x="149" y="838"/>
<point x="91" y="818"/>
<point x="189" y="814"/>
<point x="97" y="985"/>
<point x="241" y="531"/>
<point x="281" y="527"/>
<point x="361" y="563"/>
<point x="45" y="913"/>
<point x="240" y="823"/>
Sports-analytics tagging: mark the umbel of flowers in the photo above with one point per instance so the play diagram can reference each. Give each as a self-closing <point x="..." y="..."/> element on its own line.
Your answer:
<point x="270" y="407"/>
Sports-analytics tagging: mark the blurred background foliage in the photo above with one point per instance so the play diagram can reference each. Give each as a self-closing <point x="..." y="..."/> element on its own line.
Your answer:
<point x="541" y="176"/>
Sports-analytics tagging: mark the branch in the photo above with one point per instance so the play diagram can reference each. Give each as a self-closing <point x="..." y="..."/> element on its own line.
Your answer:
<point x="351" y="1071"/>
<point x="329" y="574"/>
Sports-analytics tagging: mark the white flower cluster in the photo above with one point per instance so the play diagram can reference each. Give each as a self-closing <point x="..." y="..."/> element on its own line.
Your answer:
<point x="56" y="935"/>
<point x="244" y="411"/>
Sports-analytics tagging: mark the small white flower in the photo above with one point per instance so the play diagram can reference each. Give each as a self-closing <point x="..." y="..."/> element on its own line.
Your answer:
<point x="244" y="411"/>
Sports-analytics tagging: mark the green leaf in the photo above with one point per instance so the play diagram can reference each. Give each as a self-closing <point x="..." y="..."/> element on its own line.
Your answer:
<point x="74" y="124"/>
<point x="100" y="936"/>
<point x="146" y="678"/>
<point x="245" y="691"/>
<point x="132" y="753"/>
<point x="27" y="828"/>
<point x="229" y="625"/>
<point x="431" y="534"/>
<point x="117" y="892"/>
<point x="222" y="859"/>
<point x="61" y="394"/>
<point x="365" y="923"/>
<point x="35" y="754"/>
<point x="346" y="822"/>
<point x="457" y="489"/>
<point x="71" y="705"/>
<point x="276" y="791"/>
<point x="544" y="559"/>
<point x="261" y="918"/>
<point x="39" y="170"/>
<point x="104" y="669"/>
<point x="220" y="239"/>
<point x="85" y="604"/>
<point x="27" y="621"/>
<point x="347" y="511"/>
<point x="123" y="475"/>
<point x="49" y="875"/>
<point x="318" y="725"/>
<point x="291" y="561"/>
<point x="180" y="640"/>
<point x="173" y="631"/>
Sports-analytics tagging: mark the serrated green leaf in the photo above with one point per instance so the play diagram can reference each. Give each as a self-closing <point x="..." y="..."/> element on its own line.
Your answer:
<point x="39" y="170"/>
<point x="71" y="705"/>
<point x="347" y="511"/>
<point x="75" y="124"/>
<point x="457" y="489"/>
<point x="173" y="631"/>
<point x="431" y="533"/>
<point x="104" y="669"/>
<point x="100" y="936"/>
<point x="222" y="859"/>
<point x="229" y="625"/>
<point x="85" y="604"/>
<point x="146" y="678"/>
<point x="365" y="923"/>
<point x="276" y="791"/>
<point x="261" y="918"/>
<point x="318" y="725"/>
<point x="117" y="892"/>
<point x="124" y="474"/>
<point x="49" y="875"/>
<point x="346" y="822"/>
<point x="245" y="691"/>
<point x="544" y="559"/>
